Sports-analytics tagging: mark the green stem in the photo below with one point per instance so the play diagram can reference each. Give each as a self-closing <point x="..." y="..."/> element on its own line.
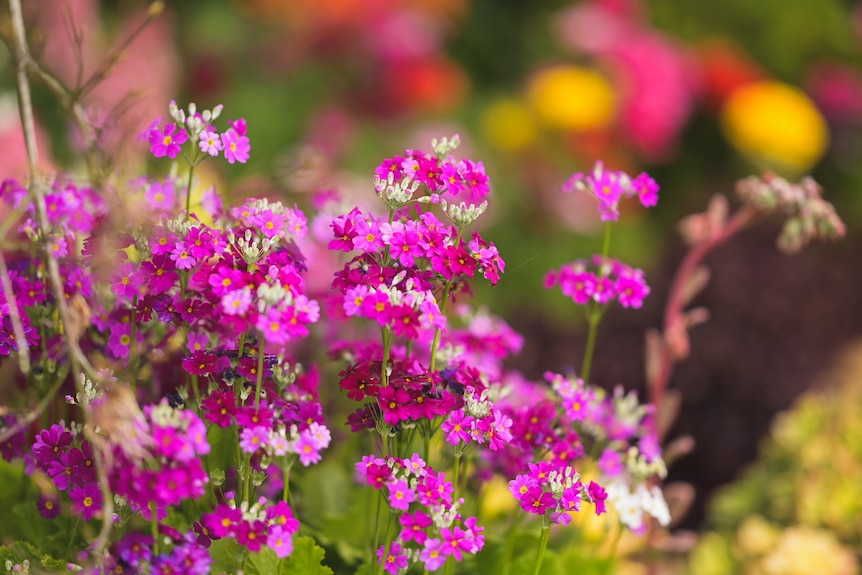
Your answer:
<point x="455" y="479"/>
<point x="613" y="551"/>
<point x="543" y="545"/>
<point x="259" y="372"/>
<point x="386" y="251"/>
<point x="154" y="527"/>
<point x="285" y="478"/>
<point x="593" y="317"/>
<point x="133" y="376"/>
<point x="189" y="186"/>
<point x="376" y="530"/>
<point x="509" y="549"/>
<point x="594" y="313"/>
<point x="74" y="532"/>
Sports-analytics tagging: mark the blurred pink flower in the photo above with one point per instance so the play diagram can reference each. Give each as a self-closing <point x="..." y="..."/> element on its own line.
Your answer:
<point x="138" y="85"/>
<point x="656" y="78"/>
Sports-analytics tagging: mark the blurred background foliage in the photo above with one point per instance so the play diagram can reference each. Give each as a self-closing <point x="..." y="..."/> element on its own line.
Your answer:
<point x="698" y="94"/>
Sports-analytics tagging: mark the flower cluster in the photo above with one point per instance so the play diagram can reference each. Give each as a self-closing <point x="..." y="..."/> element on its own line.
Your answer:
<point x="478" y="421"/>
<point x="609" y="187"/>
<point x="73" y="211"/>
<point x="439" y="173"/>
<point x="409" y="396"/>
<point x="434" y="530"/>
<point x="71" y="469"/>
<point x="168" y="139"/>
<point x="254" y="526"/>
<point x="162" y="465"/>
<point x="187" y="553"/>
<point x="600" y="280"/>
<point x="554" y="493"/>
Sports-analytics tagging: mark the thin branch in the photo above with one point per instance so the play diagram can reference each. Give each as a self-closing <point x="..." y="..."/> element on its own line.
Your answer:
<point x="77" y="359"/>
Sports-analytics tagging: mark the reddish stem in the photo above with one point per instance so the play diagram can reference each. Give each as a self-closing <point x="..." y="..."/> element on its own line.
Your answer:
<point x="675" y="304"/>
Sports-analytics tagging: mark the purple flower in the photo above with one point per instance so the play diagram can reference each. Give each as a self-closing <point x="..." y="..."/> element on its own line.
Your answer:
<point x="86" y="501"/>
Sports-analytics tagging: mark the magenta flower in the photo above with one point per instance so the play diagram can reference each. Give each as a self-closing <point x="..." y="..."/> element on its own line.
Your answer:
<point x="537" y="501"/>
<point x="414" y="526"/>
<point x="219" y="408"/>
<point x="457" y="427"/>
<point x="597" y="495"/>
<point x="400" y="494"/>
<point x="455" y="542"/>
<point x="252" y="439"/>
<point x="167" y="142"/>
<point x="86" y="500"/>
<point x="394" y="560"/>
<point x="236" y="147"/>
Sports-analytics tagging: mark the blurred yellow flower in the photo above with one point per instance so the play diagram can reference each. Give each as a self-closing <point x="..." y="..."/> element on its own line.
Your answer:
<point x="572" y="98"/>
<point x="775" y="124"/>
<point x="803" y="551"/>
<point x="509" y="125"/>
<point x="756" y="536"/>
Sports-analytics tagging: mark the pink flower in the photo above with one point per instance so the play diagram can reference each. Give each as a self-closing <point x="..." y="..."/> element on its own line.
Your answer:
<point x="236" y="302"/>
<point x="400" y="494"/>
<point x="252" y="439"/>
<point x="394" y="560"/>
<point x="308" y="450"/>
<point x="280" y="541"/>
<point x="457" y="427"/>
<point x="432" y="555"/>
<point x="236" y="147"/>
<point x="210" y="143"/>
<point x="167" y="142"/>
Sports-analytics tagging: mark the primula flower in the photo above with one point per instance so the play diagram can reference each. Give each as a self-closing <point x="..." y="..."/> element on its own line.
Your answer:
<point x="210" y="143"/>
<point x="394" y="560"/>
<point x="432" y="555"/>
<point x="400" y="494"/>
<point x="86" y="500"/>
<point x="167" y="142"/>
<point x="252" y="439"/>
<point x="280" y="541"/>
<point x="609" y="187"/>
<point x="236" y="147"/>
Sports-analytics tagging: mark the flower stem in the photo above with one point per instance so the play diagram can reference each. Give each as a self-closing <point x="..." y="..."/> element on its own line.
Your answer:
<point x="543" y="545"/>
<point x="455" y="479"/>
<point x="593" y="318"/>
<point x="285" y="479"/>
<point x="189" y="187"/>
<point x="594" y="313"/>
<point x="154" y="527"/>
<point x="259" y="372"/>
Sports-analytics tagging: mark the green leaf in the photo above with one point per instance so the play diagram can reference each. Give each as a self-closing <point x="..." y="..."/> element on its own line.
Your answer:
<point x="225" y="554"/>
<point x="264" y="562"/>
<point x="525" y="564"/>
<point x="306" y="559"/>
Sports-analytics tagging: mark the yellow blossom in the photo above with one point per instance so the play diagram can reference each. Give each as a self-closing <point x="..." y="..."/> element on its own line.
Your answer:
<point x="572" y="98"/>
<point x="775" y="124"/>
